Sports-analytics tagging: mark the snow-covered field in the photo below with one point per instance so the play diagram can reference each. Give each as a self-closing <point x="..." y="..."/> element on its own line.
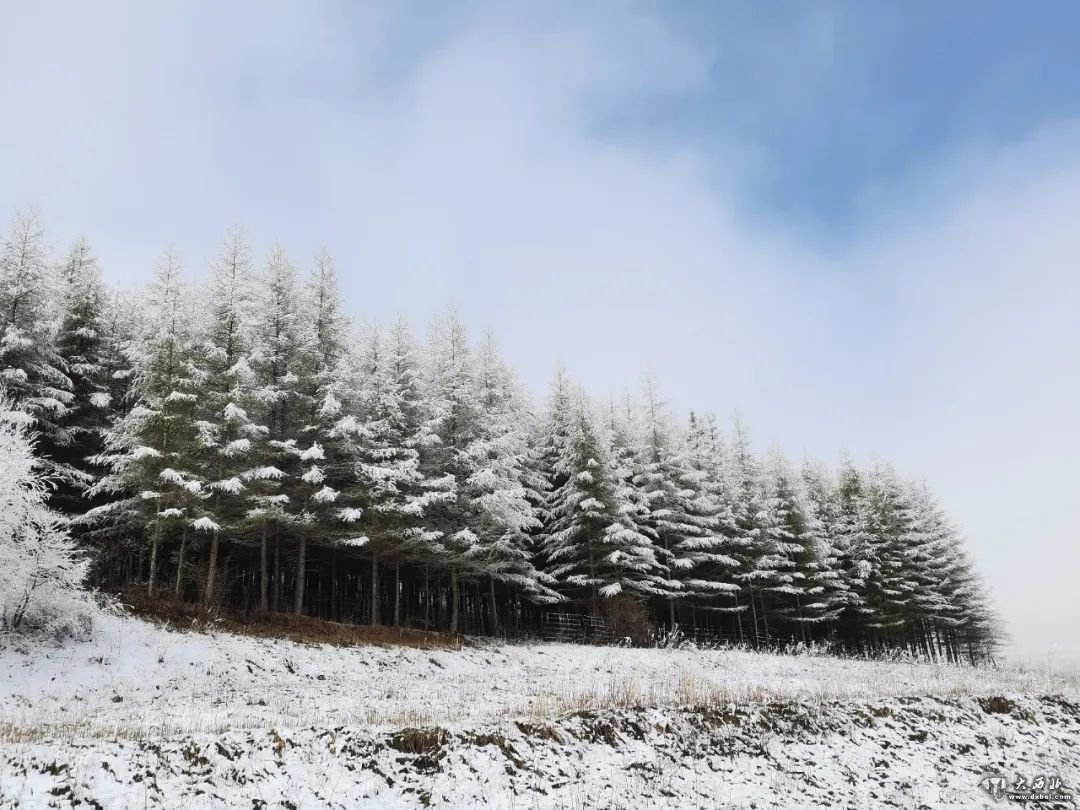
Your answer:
<point x="145" y="716"/>
<point x="138" y="679"/>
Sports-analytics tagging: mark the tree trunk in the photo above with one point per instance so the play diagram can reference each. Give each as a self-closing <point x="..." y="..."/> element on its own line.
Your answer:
<point x="764" y="615"/>
<point x="671" y="613"/>
<point x="301" y="574"/>
<point x="153" y="558"/>
<point x="454" y="599"/>
<point x="592" y="575"/>
<point x="427" y="596"/>
<point x="802" y="624"/>
<point x="397" y="595"/>
<point x="753" y="610"/>
<point x="264" y="573"/>
<point x="211" y="570"/>
<point x="494" y="609"/>
<point x="180" y="562"/>
<point x="738" y="619"/>
<point x="276" y="589"/>
<point x="374" y="613"/>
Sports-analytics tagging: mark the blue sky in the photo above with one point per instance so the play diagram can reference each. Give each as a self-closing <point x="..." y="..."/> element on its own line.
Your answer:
<point x="839" y="99"/>
<point x="854" y="222"/>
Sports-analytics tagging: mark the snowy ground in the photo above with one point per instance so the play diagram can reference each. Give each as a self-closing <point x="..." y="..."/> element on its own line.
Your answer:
<point x="137" y="679"/>
<point x="144" y="716"/>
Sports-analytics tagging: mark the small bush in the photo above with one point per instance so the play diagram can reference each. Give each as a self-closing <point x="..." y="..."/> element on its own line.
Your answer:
<point x="41" y="572"/>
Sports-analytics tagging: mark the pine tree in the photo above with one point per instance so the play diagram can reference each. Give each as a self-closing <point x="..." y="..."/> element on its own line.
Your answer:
<point x="228" y="431"/>
<point x="123" y="327"/>
<point x="452" y="424"/>
<point x="743" y="475"/>
<point x="81" y="345"/>
<point x="622" y="438"/>
<point x="673" y="514"/>
<point x="789" y="554"/>
<point x="823" y="589"/>
<point x="592" y="546"/>
<point x="713" y="575"/>
<point x="389" y="493"/>
<point x="502" y="514"/>
<point x="33" y="374"/>
<point x="890" y="529"/>
<point x="277" y="490"/>
<point x="851" y="541"/>
<point x="324" y="389"/>
<point x="153" y="480"/>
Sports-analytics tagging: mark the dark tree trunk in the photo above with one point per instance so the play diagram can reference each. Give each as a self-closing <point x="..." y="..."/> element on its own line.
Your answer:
<point x="211" y="570"/>
<point x="264" y="573"/>
<point x="301" y="574"/>
<point x="454" y="599"/>
<point x="374" y="612"/>
<point x="180" y="562"/>
<point x="494" y="608"/>
<point x="397" y="595"/>
<point x="276" y="589"/>
<point x="753" y="610"/>
<point x="153" y="557"/>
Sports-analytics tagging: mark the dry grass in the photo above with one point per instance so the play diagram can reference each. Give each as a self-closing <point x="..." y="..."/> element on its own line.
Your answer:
<point x="301" y="629"/>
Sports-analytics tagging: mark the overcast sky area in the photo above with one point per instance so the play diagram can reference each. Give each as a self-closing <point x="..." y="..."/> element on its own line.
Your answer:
<point x="856" y="223"/>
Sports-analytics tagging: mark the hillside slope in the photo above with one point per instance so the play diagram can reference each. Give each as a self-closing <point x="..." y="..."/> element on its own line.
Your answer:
<point x="147" y="717"/>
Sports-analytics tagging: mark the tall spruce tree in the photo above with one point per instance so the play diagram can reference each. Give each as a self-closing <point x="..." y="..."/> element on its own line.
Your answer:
<point x="502" y="513"/>
<point x="823" y="586"/>
<point x="151" y="453"/>
<point x="81" y="345"/>
<point x="229" y="432"/>
<point x="711" y="584"/>
<point x="33" y="374"/>
<point x="452" y="424"/>
<point x="679" y="522"/>
<point x="592" y="545"/>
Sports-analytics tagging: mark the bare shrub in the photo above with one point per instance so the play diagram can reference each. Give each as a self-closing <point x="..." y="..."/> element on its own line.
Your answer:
<point x="627" y="619"/>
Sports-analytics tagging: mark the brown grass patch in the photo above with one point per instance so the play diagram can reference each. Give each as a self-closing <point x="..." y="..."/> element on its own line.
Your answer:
<point x="303" y="629"/>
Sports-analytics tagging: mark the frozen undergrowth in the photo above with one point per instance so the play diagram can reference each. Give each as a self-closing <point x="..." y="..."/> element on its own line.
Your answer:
<point x="138" y="680"/>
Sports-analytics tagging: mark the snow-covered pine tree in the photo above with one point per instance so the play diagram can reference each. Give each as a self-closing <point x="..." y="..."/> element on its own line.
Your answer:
<point x="123" y="325"/>
<point x="81" y="346"/>
<point x="228" y="431"/>
<point x="452" y="423"/>
<point x="40" y="570"/>
<point x="388" y="494"/>
<point x="787" y="551"/>
<point x="153" y="483"/>
<point x="551" y="443"/>
<point x="377" y="438"/>
<point x="501" y="512"/>
<point x="673" y="514"/>
<point x="824" y="590"/>
<point x="890" y="526"/>
<point x="712" y="584"/>
<point x="416" y="491"/>
<point x="277" y="492"/>
<point x="554" y="429"/>
<point x="622" y="436"/>
<point x="951" y="605"/>
<point x="327" y="390"/>
<point x="32" y="372"/>
<point x="851" y="540"/>
<point x="592" y="546"/>
<point x="743" y="474"/>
